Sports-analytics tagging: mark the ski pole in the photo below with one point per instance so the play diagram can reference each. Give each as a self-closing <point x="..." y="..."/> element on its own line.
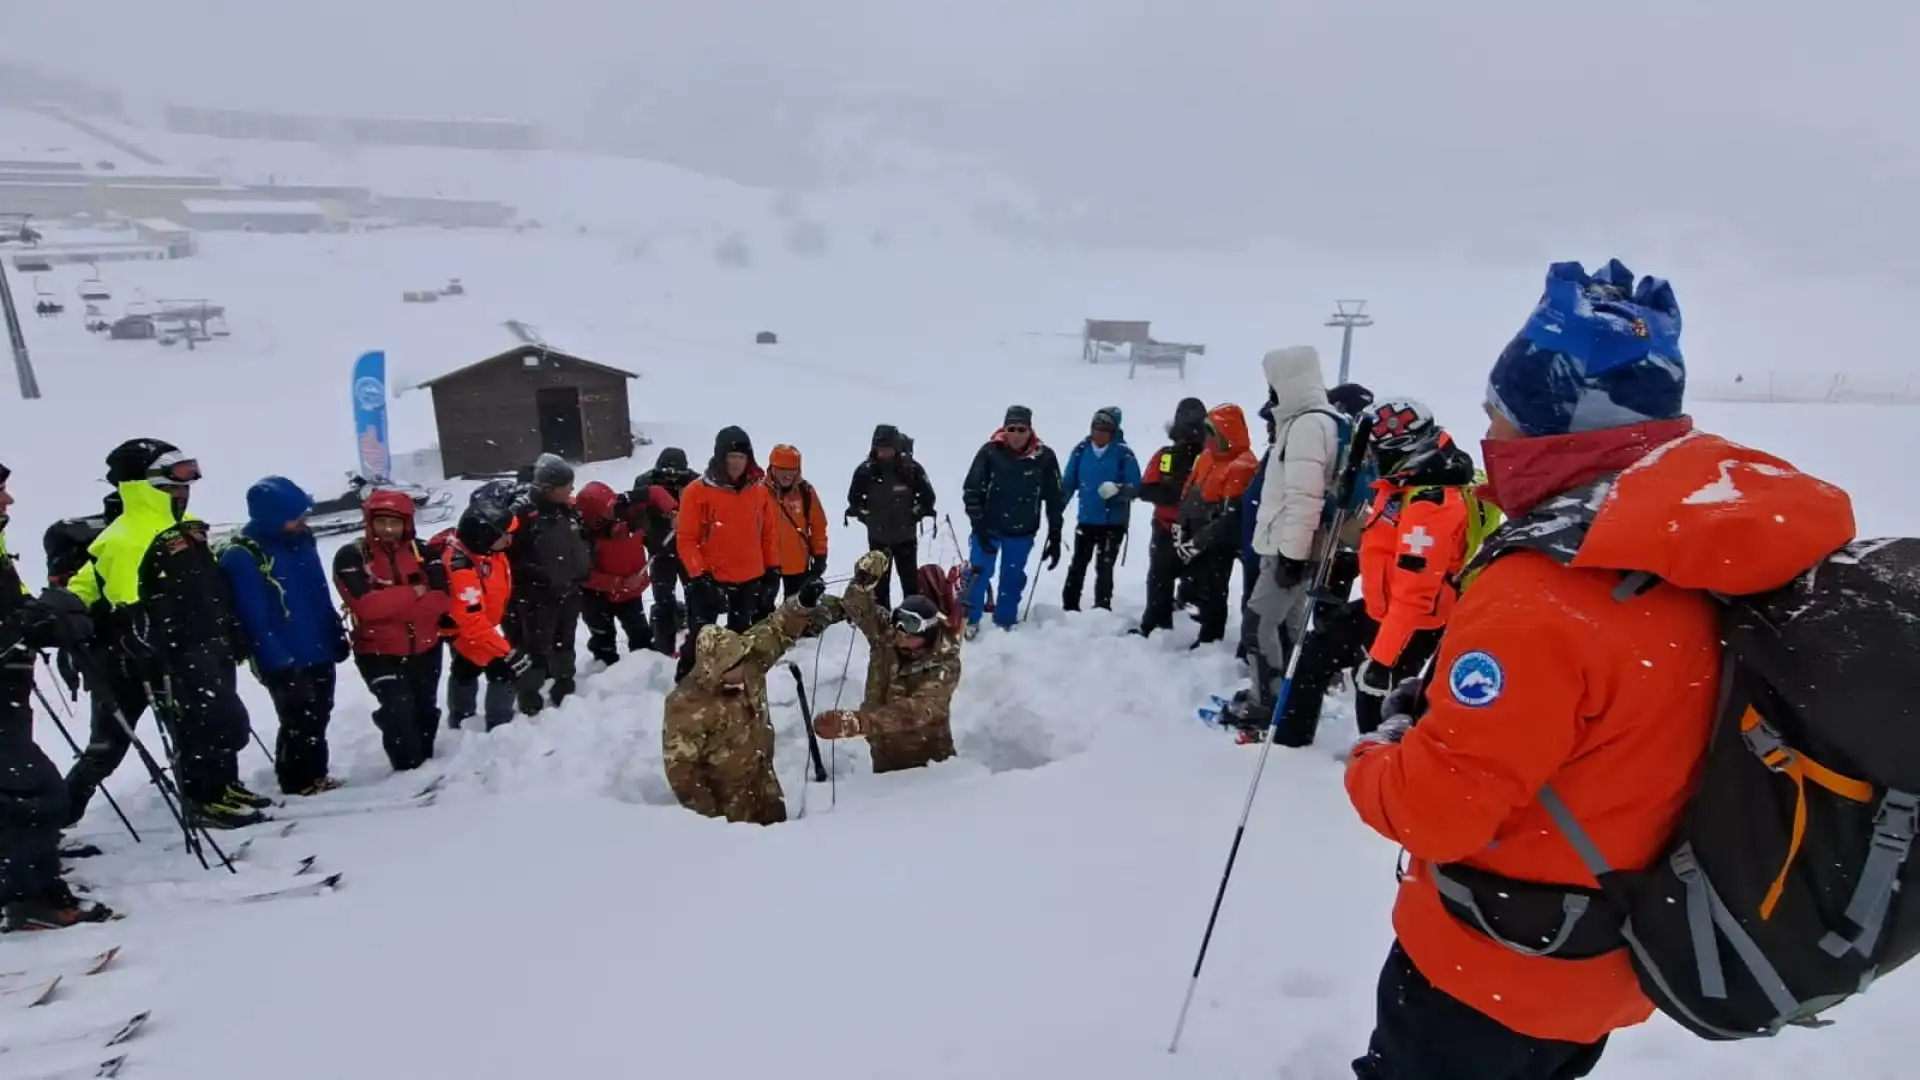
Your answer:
<point x="55" y="717"/>
<point x="833" y="745"/>
<point x="1349" y="472"/>
<point x="166" y="718"/>
<point x="262" y="744"/>
<point x="806" y="714"/>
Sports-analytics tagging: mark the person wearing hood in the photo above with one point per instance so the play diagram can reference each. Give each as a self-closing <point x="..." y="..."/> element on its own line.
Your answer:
<point x="1161" y="486"/>
<point x="294" y="637"/>
<point x="1206" y="535"/>
<point x="1287" y="530"/>
<point x="172" y="621"/>
<point x="397" y="599"/>
<point x="716" y="734"/>
<point x="1105" y="476"/>
<point x="613" y="600"/>
<point x="891" y="495"/>
<point x="913" y="669"/>
<point x="1552" y="675"/>
<point x="1013" y="484"/>
<point x="1425" y="523"/>
<point x="658" y="490"/>
<point x="799" y="524"/>
<point x="726" y="540"/>
<point x="551" y="560"/>
<point x="33" y="799"/>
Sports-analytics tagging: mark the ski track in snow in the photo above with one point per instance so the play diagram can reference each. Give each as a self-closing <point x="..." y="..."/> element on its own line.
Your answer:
<point x="1030" y="909"/>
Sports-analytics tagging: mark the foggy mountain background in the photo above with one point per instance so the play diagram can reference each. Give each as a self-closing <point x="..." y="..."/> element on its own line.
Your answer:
<point x="1772" y="135"/>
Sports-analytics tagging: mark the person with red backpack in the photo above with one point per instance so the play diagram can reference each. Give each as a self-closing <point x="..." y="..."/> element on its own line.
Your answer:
<point x="616" y="586"/>
<point x="396" y="595"/>
<point x="1573" y="699"/>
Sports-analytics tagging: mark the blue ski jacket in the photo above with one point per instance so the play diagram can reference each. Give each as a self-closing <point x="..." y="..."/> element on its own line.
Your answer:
<point x="280" y="589"/>
<point x="1088" y="467"/>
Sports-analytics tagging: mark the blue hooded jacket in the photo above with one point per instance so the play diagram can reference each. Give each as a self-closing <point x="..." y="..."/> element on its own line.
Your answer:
<point x="1088" y="467"/>
<point x="281" y="595"/>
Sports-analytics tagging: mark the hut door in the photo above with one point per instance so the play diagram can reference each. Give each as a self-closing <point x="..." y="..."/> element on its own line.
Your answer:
<point x="561" y="431"/>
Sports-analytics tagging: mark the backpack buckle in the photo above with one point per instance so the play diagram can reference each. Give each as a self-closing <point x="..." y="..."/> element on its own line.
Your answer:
<point x="1767" y="745"/>
<point x="1896" y="822"/>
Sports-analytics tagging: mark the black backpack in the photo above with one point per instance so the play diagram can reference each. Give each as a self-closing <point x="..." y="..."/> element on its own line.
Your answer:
<point x="1786" y="888"/>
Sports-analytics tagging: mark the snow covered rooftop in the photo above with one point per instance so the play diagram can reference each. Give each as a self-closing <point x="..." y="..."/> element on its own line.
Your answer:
<point x="253" y="206"/>
<point x="162" y="225"/>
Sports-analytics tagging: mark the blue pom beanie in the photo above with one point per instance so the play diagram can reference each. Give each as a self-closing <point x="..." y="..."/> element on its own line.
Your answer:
<point x="1599" y="351"/>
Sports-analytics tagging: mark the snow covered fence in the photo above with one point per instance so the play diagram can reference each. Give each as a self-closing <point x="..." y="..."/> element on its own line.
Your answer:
<point x="1811" y="387"/>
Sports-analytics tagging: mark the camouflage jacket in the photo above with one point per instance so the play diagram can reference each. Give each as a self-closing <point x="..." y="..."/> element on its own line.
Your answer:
<point x="904" y="692"/>
<point x="699" y="706"/>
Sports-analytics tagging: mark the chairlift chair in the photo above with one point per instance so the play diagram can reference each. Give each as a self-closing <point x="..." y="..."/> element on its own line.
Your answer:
<point x="95" y="289"/>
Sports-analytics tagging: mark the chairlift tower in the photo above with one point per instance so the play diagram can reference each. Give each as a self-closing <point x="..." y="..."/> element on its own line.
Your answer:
<point x="13" y="228"/>
<point x="1348" y="315"/>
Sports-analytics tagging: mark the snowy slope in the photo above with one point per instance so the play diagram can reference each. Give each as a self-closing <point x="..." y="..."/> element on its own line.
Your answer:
<point x="1028" y="910"/>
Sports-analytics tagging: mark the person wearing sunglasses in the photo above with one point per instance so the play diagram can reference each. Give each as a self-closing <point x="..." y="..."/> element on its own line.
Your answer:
<point x="1014" y="479"/>
<point x="175" y="630"/>
<point x="912" y="671"/>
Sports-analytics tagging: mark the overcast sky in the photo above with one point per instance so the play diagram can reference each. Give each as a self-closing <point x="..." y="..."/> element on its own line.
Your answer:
<point x="1448" y="125"/>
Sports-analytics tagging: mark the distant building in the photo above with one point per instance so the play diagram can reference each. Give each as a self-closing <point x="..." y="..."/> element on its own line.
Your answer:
<point x="176" y="239"/>
<point x="244" y="215"/>
<point x="453" y="213"/>
<point x="498" y="414"/>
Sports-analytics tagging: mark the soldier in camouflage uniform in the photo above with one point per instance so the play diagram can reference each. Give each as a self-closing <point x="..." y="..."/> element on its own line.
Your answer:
<point x="912" y="671"/>
<point x="717" y="737"/>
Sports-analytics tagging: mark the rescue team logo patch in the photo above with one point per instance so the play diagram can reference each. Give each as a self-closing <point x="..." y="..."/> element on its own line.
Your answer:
<point x="1476" y="679"/>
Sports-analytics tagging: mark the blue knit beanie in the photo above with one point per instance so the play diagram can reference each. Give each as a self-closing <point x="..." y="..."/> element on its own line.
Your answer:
<point x="1599" y="351"/>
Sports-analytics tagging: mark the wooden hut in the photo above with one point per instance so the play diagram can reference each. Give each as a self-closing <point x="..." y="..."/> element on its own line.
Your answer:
<point x="500" y="413"/>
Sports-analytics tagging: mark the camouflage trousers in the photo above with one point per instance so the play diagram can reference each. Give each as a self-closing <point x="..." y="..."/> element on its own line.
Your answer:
<point x="911" y="749"/>
<point x="725" y="770"/>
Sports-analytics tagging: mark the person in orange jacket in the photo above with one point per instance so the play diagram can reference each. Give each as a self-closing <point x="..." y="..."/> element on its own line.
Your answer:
<point x="799" y="525"/>
<point x="726" y="540"/>
<point x="1419" y="532"/>
<point x="1585" y="655"/>
<point x="1206" y="527"/>
<point x="481" y="581"/>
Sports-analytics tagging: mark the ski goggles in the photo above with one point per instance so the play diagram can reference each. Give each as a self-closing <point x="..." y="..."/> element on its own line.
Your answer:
<point x="909" y="621"/>
<point x="173" y="468"/>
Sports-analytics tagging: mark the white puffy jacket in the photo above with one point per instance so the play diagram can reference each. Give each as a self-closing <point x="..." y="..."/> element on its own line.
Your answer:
<point x="1305" y="453"/>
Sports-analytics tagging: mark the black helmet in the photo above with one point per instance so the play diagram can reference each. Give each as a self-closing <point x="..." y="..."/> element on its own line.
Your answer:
<point x="156" y="461"/>
<point x="918" y="616"/>
<point x="483" y="524"/>
<point x="1350" y="398"/>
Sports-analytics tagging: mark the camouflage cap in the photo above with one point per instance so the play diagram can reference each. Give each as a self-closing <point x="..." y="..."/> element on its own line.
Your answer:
<point x="716" y="651"/>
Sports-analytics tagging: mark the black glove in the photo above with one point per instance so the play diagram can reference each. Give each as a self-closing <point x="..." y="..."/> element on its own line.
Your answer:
<point x="1288" y="573"/>
<point x="69" y="671"/>
<point x="982" y="537"/>
<point x="135" y="640"/>
<point x="63" y="618"/>
<point x="1051" y="553"/>
<point x="703" y="592"/>
<point x="818" y="567"/>
<point x="1374" y="679"/>
<point x="811" y="592"/>
<point x="510" y="667"/>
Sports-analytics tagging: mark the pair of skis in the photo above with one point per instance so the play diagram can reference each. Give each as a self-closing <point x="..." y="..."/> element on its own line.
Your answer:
<point x="106" y="1036"/>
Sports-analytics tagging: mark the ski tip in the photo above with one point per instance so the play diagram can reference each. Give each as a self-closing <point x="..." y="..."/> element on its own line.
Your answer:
<point x="331" y="881"/>
<point x="112" y="1066"/>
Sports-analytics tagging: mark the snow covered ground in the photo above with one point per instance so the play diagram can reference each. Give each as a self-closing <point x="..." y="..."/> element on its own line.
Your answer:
<point x="1028" y="910"/>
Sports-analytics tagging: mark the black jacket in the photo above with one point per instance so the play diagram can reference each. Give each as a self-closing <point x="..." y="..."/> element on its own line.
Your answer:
<point x="890" y="497"/>
<point x="550" y="554"/>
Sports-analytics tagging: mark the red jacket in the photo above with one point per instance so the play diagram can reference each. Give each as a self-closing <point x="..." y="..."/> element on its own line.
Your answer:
<point x="617" y="532"/>
<point x="1545" y="677"/>
<point x="396" y="595"/>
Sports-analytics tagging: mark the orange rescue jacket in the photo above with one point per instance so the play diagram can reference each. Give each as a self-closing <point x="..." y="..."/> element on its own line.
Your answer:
<point x="481" y="585"/>
<point x="799" y="526"/>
